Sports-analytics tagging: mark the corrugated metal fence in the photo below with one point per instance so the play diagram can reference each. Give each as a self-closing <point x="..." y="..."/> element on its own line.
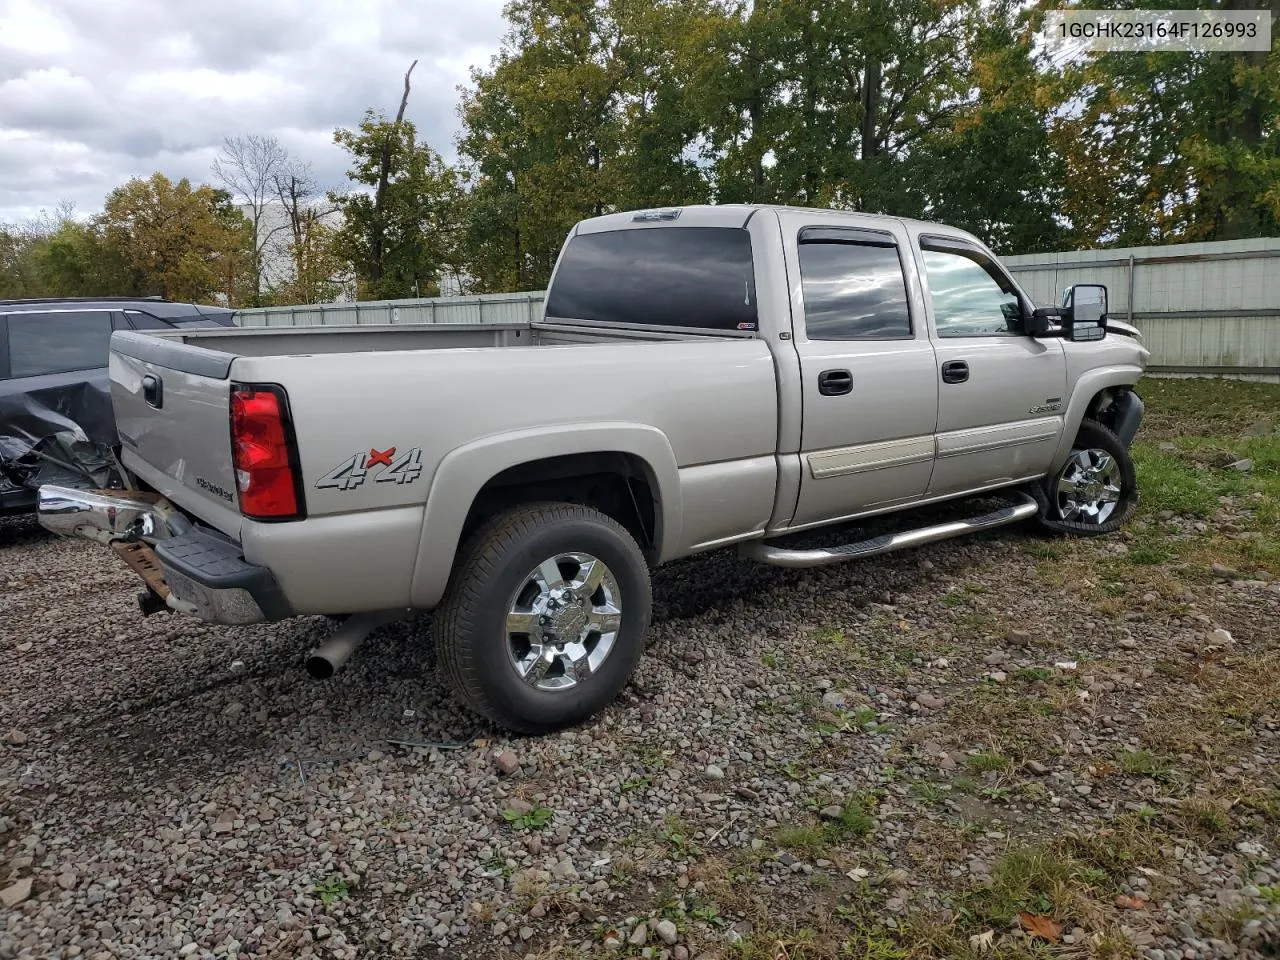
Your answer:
<point x="1203" y="308"/>
<point x="485" y="308"/>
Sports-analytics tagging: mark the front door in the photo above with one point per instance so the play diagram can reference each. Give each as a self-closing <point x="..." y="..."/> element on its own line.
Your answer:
<point x="869" y="386"/>
<point x="1001" y="393"/>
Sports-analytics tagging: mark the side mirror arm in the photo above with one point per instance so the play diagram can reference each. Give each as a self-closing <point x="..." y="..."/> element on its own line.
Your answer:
<point x="1041" y="323"/>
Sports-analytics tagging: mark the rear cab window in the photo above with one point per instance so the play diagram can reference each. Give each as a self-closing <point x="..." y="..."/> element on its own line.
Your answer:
<point x="41" y="343"/>
<point x="660" y="277"/>
<point x="853" y="285"/>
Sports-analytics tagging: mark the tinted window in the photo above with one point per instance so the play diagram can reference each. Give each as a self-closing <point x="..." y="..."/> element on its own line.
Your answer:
<point x="144" y="321"/>
<point x="57" y="342"/>
<point x="664" y="276"/>
<point x="971" y="297"/>
<point x="853" y="291"/>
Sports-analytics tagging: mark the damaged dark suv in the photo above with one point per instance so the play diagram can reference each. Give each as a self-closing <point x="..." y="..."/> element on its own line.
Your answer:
<point x="56" y="422"/>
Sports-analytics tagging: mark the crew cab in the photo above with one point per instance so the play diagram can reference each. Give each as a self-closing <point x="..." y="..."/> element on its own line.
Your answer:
<point x="702" y="377"/>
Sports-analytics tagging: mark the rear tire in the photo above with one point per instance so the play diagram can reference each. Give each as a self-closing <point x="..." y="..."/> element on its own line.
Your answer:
<point x="1095" y="492"/>
<point x="544" y="617"/>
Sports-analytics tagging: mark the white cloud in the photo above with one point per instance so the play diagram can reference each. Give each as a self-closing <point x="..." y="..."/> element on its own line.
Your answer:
<point x="92" y="93"/>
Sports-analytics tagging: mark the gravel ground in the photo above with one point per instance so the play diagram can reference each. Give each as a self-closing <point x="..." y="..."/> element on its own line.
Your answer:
<point x="880" y="760"/>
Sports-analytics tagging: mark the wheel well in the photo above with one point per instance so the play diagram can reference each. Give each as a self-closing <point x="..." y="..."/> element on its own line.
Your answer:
<point x="1103" y="407"/>
<point x="617" y="484"/>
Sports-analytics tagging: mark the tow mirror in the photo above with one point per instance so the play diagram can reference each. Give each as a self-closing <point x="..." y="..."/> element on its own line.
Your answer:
<point x="1039" y="324"/>
<point x="1085" y="312"/>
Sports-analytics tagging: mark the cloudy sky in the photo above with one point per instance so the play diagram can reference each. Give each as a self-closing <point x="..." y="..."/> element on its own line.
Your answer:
<point x="93" y="92"/>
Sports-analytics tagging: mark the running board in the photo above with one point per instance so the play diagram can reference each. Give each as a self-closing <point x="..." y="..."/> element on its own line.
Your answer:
<point x="764" y="552"/>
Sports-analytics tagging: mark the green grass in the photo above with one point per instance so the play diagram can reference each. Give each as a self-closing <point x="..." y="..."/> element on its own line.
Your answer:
<point x="1206" y="406"/>
<point x="856" y="818"/>
<point x="1166" y="482"/>
<point x="1150" y="555"/>
<point x="1033" y="674"/>
<point x="810" y="840"/>
<point x="855" y="821"/>
<point x="676" y="834"/>
<point x="930" y="793"/>
<point x="1143" y="763"/>
<point x="987" y="761"/>
<point x="1023" y="879"/>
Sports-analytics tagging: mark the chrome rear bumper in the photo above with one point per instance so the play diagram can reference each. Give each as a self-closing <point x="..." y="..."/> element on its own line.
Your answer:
<point x="107" y="516"/>
<point x="196" y="572"/>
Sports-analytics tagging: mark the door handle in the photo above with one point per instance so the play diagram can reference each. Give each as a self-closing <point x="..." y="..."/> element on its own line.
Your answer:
<point x="835" y="383"/>
<point x="955" y="371"/>
<point x="153" y="391"/>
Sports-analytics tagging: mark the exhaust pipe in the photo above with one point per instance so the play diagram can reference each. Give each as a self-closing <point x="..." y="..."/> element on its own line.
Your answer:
<point x="327" y="659"/>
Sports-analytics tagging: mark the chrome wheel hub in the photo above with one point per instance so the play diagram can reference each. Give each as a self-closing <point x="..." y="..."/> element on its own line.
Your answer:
<point x="1088" y="487"/>
<point x="563" y="621"/>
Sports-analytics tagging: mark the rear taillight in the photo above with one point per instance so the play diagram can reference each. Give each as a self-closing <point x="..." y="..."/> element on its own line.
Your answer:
<point x="262" y="449"/>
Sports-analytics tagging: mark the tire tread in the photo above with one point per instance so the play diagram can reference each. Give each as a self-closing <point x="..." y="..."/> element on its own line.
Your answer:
<point x="478" y="560"/>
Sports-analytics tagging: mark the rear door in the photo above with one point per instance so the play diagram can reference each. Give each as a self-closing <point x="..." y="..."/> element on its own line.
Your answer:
<point x="869" y="392"/>
<point x="172" y="405"/>
<point x="1001" y="393"/>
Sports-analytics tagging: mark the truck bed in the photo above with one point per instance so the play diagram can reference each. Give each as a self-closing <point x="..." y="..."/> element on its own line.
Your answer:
<point x="296" y="341"/>
<point x="437" y="401"/>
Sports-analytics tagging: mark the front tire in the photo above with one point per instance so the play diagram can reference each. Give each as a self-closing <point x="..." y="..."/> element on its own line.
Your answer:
<point x="1095" y="492"/>
<point x="545" y="615"/>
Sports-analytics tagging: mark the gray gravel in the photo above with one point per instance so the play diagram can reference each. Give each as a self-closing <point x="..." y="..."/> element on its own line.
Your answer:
<point x="175" y="789"/>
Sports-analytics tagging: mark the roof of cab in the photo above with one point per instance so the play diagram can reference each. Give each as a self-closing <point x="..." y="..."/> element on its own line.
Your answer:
<point x="736" y="215"/>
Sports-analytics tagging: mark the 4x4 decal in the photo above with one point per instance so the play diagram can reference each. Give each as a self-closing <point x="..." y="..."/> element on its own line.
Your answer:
<point x="383" y="465"/>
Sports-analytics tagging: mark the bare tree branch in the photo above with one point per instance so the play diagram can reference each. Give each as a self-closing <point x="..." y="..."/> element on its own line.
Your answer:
<point x="247" y="167"/>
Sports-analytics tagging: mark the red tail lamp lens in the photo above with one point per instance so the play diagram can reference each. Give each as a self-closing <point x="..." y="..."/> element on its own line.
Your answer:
<point x="262" y="453"/>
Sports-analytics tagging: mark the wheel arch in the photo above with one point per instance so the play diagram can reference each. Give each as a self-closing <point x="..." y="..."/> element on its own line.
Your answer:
<point x="529" y="463"/>
<point x="1090" y="391"/>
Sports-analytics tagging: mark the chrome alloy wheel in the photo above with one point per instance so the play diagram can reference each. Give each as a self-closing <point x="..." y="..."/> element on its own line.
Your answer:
<point x="563" y="621"/>
<point x="1088" y="486"/>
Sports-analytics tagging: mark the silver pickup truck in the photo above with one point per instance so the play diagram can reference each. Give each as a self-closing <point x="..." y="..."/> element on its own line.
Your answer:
<point x="701" y="377"/>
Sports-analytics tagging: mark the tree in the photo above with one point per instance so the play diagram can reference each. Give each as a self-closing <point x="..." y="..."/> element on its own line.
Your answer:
<point x="175" y="240"/>
<point x="315" y="268"/>
<point x="249" y="167"/>
<point x="1167" y="147"/>
<point x="993" y="169"/>
<point x="55" y="254"/>
<point x="586" y="109"/>
<point x="397" y="232"/>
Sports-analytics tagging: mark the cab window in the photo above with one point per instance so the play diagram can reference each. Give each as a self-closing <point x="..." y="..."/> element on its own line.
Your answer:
<point x="971" y="296"/>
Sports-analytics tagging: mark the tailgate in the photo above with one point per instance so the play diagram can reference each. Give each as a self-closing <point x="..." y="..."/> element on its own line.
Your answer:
<point x="171" y="404"/>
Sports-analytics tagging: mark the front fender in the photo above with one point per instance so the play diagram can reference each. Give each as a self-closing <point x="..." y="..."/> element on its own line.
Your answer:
<point x="1086" y="388"/>
<point x="465" y="470"/>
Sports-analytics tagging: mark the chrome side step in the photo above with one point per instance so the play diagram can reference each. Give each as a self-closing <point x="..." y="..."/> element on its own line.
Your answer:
<point x="761" y="550"/>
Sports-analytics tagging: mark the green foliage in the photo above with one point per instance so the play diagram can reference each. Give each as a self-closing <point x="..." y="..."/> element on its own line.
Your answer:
<point x="535" y="819"/>
<point x="332" y="890"/>
<point x="153" y="237"/>
<point x="1169" y="147"/>
<point x="1143" y="763"/>
<point x="676" y="834"/>
<point x="987" y="761"/>
<point x="403" y="242"/>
